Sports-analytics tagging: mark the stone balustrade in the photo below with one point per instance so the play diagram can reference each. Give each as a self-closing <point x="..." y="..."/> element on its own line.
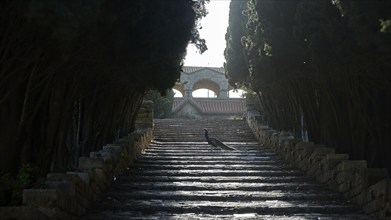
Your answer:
<point x="68" y="195"/>
<point x="368" y="188"/>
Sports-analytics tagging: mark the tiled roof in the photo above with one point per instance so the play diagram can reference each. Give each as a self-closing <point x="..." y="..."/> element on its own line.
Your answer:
<point x="192" y="69"/>
<point x="212" y="105"/>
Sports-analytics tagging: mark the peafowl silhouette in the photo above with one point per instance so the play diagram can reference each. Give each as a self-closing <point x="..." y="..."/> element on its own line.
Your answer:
<point x="215" y="142"/>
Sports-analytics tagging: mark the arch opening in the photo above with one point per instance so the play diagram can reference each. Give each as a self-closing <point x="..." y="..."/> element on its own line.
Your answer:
<point x="208" y="85"/>
<point x="177" y="93"/>
<point x="204" y="93"/>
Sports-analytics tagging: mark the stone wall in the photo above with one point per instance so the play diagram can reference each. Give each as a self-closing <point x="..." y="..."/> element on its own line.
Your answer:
<point x="369" y="188"/>
<point x="68" y="195"/>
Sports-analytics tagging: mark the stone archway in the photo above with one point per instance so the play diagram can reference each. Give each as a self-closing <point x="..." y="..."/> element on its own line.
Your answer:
<point x="212" y="78"/>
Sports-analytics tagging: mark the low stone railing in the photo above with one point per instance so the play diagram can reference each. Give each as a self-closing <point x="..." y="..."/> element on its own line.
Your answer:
<point x="369" y="188"/>
<point x="68" y="195"/>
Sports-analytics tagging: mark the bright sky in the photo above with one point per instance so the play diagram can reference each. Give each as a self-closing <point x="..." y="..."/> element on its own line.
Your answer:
<point x="214" y="27"/>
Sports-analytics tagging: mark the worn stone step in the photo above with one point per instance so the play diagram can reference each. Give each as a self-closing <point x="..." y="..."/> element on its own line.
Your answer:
<point x="205" y="151"/>
<point x="271" y="207"/>
<point x="223" y="195"/>
<point x="212" y="172"/>
<point x="180" y="176"/>
<point x="215" y="166"/>
<point x="203" y="145"/>
<point x="210" y="149"/>
<point x="196" y="149"/>
<point x="209" y="162"/>
<point x="219" y="153"/>
<point x="189" y="144"/>
<point x="205" y="216"/>
<point x="210" y="157"/>
<point x="213" y="179"/>
<point x="295" y="186"/>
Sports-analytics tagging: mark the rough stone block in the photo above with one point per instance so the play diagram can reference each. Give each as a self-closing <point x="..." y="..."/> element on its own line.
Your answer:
<point x="380" y="189"/>
<point x="325" y="176"/>
<point x="373" y="206"/>
<point x="372" y="176"/>
<point x="386" y="212"/>
<point x="85" y="177"/>
<point x="332" y="183"/>
<point x="124" y="142"/>
<point x="56" y="213"/>
<point x="86" y="163"/>
<point x="71" y="177"/>
<point x="281" y="142"/>
<point x="22" y="213"/>
<point x="330" y="161"/>
<point x="360" y="199"/>
<point x="314" y="159"/>
<point x="346" y="185"/>
<point x="364" y="178"/>
<point x="303" y="156"/>
<point x="107" y="158"/>
<point x="41" y="197"/>
<point x="287" y="150"/>
<point x="101" y="177"/>
<point x="115" y="151"/>
<point x="95" y="154"/>
<point x="66" y="187"/>
<point x="351" y="165"/>
<point x="346" y="176"/>
<point x="378" y="198"/>
<point x="51" y="199"/>
<point x="297" y="151"/>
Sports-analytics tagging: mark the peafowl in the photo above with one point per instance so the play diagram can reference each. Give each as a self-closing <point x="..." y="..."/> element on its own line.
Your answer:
<point x="216" y="143"/>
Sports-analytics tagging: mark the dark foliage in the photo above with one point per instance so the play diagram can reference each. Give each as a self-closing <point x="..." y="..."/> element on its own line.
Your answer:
<point x="325" y="61"/>
<point x="162" y="104"/>
<point x="73" y="73"/>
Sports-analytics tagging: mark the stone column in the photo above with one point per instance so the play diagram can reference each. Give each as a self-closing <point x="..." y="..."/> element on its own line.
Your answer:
<point x="223" y="94"/>
<point x="188" y="93"/>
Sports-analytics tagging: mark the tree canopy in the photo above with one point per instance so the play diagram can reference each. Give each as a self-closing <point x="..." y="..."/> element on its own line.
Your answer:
<point x="73" y="73"/>
<point x="326" y="63"/>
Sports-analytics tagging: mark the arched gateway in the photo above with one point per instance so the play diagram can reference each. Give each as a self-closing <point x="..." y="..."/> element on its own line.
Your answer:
<point x="212" y="78"/>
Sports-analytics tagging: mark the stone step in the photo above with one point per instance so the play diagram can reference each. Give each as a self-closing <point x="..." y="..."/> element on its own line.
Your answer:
<point x="208" y="158"/>
<point x="181" y="185"/>
<point x="207" y="162"/>
<point x="213" y="179"/>
<point x="223" y="195"/>
<point x="272" y="207"/>
<point x="205" y="216"/>
<point x="147" y="166"/>
<point x="206" y="149"/>
<point x="222" y="139"/>
<point x="219" y="172"/>
<point x="198" y="148"/>
<point x="211" y="153"/>
<point x="180" y="176"/>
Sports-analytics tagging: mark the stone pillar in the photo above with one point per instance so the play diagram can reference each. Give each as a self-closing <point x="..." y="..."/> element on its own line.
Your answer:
<point x="188" y="93"/>
<point x="223" y="94"/>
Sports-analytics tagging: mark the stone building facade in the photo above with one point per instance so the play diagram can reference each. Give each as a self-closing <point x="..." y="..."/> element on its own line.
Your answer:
<point x="212" y="78"/>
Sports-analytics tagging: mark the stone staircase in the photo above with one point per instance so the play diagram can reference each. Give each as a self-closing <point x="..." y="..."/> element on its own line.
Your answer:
<point x="181" y="177"/>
